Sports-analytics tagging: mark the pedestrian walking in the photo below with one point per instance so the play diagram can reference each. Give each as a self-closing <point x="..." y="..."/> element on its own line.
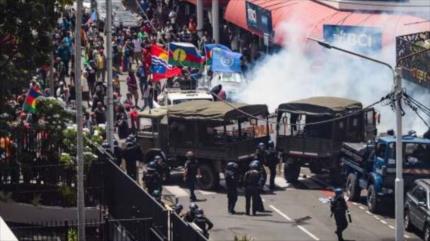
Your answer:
<point x="339" y="210"/>
<point x="191" y="174"/>
<point x="231" y="180"/>
<point x="132" y="86"/>
<point x="272" y="161"/>
<point x="250" y="179"/>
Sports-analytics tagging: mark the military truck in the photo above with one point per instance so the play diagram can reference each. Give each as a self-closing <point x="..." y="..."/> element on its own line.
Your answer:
<point x="216" y="132"/>
<point x="310" y="132"/>
<point x="372" y="167"/>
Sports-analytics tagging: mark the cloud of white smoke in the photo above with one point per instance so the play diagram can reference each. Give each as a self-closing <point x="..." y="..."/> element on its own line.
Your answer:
<point x="304" y="70"/>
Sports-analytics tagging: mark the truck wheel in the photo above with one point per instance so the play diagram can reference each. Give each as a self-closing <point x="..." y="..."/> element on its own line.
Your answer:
<point x="407" y="221"/>
<point x="291" y="171"/>
<point x="209" y="179"/>
<point x="352" y="189"/>
<point x="372" y="201"/>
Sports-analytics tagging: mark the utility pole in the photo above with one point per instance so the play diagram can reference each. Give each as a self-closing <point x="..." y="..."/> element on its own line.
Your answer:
<point x="399" y="187"/>
<point x="199" y="8"/>
<point x="110" y="127"/>
<point x="79" y="138"/>
<point x="215" y="20"/>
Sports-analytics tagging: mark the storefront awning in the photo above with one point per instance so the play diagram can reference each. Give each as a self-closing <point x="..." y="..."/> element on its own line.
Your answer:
<point x="208" y="3"/>
<point x="306" y="18"/>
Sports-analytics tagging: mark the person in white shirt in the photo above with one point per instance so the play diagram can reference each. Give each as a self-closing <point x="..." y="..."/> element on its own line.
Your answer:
<point x="137" y="49"/>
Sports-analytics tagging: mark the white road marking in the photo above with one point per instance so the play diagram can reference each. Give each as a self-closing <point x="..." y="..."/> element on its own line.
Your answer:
<point x="407" y="236"/>
<point x="299" y="226"/>
<point x="355" y="204"/>
<point x="280" y="182"/>
<point x="177" y="191"/>
<point x="376" y="217"/>
<point x="383" y="221"/>
<point x="391" y="226"/>
<point x="368" y="212"/>
<point x="361" y="207"/>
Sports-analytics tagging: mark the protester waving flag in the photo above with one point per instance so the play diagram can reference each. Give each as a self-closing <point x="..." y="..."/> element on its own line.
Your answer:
<point x="184" y="54"/>
<point x="225" y="61"/>
<point x="159" y="66"/>
<point x="30" y="100"/>
<point x="92" y="18"/>
<point x="208" y="51"/>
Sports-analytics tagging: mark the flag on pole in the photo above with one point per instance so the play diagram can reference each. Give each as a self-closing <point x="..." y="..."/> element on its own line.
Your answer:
<point x="225" y="61"/>
<point x="208" y="51"/>
<point x="184" y="54"/>
<point x="30" y="100"/>
<point x="92" y="18"/>
<point x="159" y="64"/>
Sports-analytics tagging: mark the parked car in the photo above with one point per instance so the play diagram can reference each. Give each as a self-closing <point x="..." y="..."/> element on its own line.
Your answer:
<point x="417" y="208"/>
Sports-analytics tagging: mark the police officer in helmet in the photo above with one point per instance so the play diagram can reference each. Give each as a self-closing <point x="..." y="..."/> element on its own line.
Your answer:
<point x="203" y="222"/>
<point x="272" y="161"/>
<point x="191" y="173"/>
<point x="251" y="180"/>
<point x="132" y="154"/>
<point x="339" y="209"/>
<point x="261" y="182"/>
<point x="190" y="215"/>
<point x="231" y="179"/>
<point x="152" y="178"/>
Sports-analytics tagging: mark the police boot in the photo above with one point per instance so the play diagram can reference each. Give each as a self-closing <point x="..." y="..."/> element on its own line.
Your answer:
<point x="339" y="236"/>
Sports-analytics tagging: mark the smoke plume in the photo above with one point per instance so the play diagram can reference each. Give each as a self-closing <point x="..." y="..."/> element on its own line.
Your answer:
<point x="304" y="69"/>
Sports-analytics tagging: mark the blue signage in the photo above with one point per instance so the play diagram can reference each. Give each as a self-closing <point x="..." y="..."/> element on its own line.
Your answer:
<point x="364" y="39"/>
<point x="258" y="18"/>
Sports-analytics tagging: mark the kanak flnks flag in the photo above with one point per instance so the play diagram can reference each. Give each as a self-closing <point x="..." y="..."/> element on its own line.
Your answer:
<point x="225" y="61"/>
<point x="159" y="64"/>
<point x="92" y="18"/>
<point x="184" y="54"/>
<point x="30" y="100"/>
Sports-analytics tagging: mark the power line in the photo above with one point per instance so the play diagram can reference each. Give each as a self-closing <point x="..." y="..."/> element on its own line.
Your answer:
<point x="388" y="96"/>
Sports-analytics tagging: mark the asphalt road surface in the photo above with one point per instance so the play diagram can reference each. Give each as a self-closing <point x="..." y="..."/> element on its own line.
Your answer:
<point x="299" y="212"/>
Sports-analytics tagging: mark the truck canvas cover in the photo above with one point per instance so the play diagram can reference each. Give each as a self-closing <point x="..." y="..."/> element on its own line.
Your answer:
<point x="319" y="106"/>
<point x="215" y="111"/>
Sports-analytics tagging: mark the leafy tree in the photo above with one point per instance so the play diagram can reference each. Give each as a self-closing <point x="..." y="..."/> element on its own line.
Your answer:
<point x="25" y="40"/>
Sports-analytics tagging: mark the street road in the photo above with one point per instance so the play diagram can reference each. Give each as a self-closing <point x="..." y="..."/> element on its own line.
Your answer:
<point x="299" y="212"/>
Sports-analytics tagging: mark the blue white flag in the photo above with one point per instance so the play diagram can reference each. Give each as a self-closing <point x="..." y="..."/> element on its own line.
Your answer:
<point x="225" y="61"/>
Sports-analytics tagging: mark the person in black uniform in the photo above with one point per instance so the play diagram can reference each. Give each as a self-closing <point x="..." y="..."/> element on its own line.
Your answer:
<point x="250" y="180"/>
<point x="339" y="209"/>
<point x="117" y="153"/>
<point x="190" y="175"/>
<point x="152" y="178"/>
<point x="261" y="182"/>
<point x="231" y="179"/>
<point x="132" y="154"/>
<point x="260" y="153"/>
<point x="191" y="214"/>
<point x="272" y="161"/>
<point x="161" y="167"/>
<point x="203" y="222"/>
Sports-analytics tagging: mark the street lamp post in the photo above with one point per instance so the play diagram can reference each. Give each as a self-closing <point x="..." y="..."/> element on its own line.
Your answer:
<point x="399" y="150"/>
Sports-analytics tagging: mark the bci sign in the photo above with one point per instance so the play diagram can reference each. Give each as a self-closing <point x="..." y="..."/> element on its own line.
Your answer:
<point x="365" y="39"/>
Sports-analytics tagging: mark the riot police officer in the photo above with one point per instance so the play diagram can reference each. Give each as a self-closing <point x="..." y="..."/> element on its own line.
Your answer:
<point x="152" y="178"/>
<point x="339" y="209"/>
<point x="190" y="175"/>
<point x="191" y="214"/>
<point x="260" y="153"/>
<point x="251" y="179"/>
<point x="203" y="222"/>
<point x="261" y="182"/>
<point x="272" y="161"/>
<point x="231" y="179"/>
<point x="161" y="167"/>
<point x="132" y="154"/>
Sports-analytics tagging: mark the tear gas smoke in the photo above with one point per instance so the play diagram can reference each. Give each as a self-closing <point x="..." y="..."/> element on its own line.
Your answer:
<point x="305" y="69"/>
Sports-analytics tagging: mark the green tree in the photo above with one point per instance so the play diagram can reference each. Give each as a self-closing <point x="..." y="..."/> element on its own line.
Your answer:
<point x="25" y="40"/>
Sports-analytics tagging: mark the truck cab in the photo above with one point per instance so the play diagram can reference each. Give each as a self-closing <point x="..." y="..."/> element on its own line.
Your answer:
<point x="372" y="167"/>
<point x="176" y="96"/>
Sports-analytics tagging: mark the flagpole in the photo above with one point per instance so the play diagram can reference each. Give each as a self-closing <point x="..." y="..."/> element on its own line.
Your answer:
<point x="79" y="138"/>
